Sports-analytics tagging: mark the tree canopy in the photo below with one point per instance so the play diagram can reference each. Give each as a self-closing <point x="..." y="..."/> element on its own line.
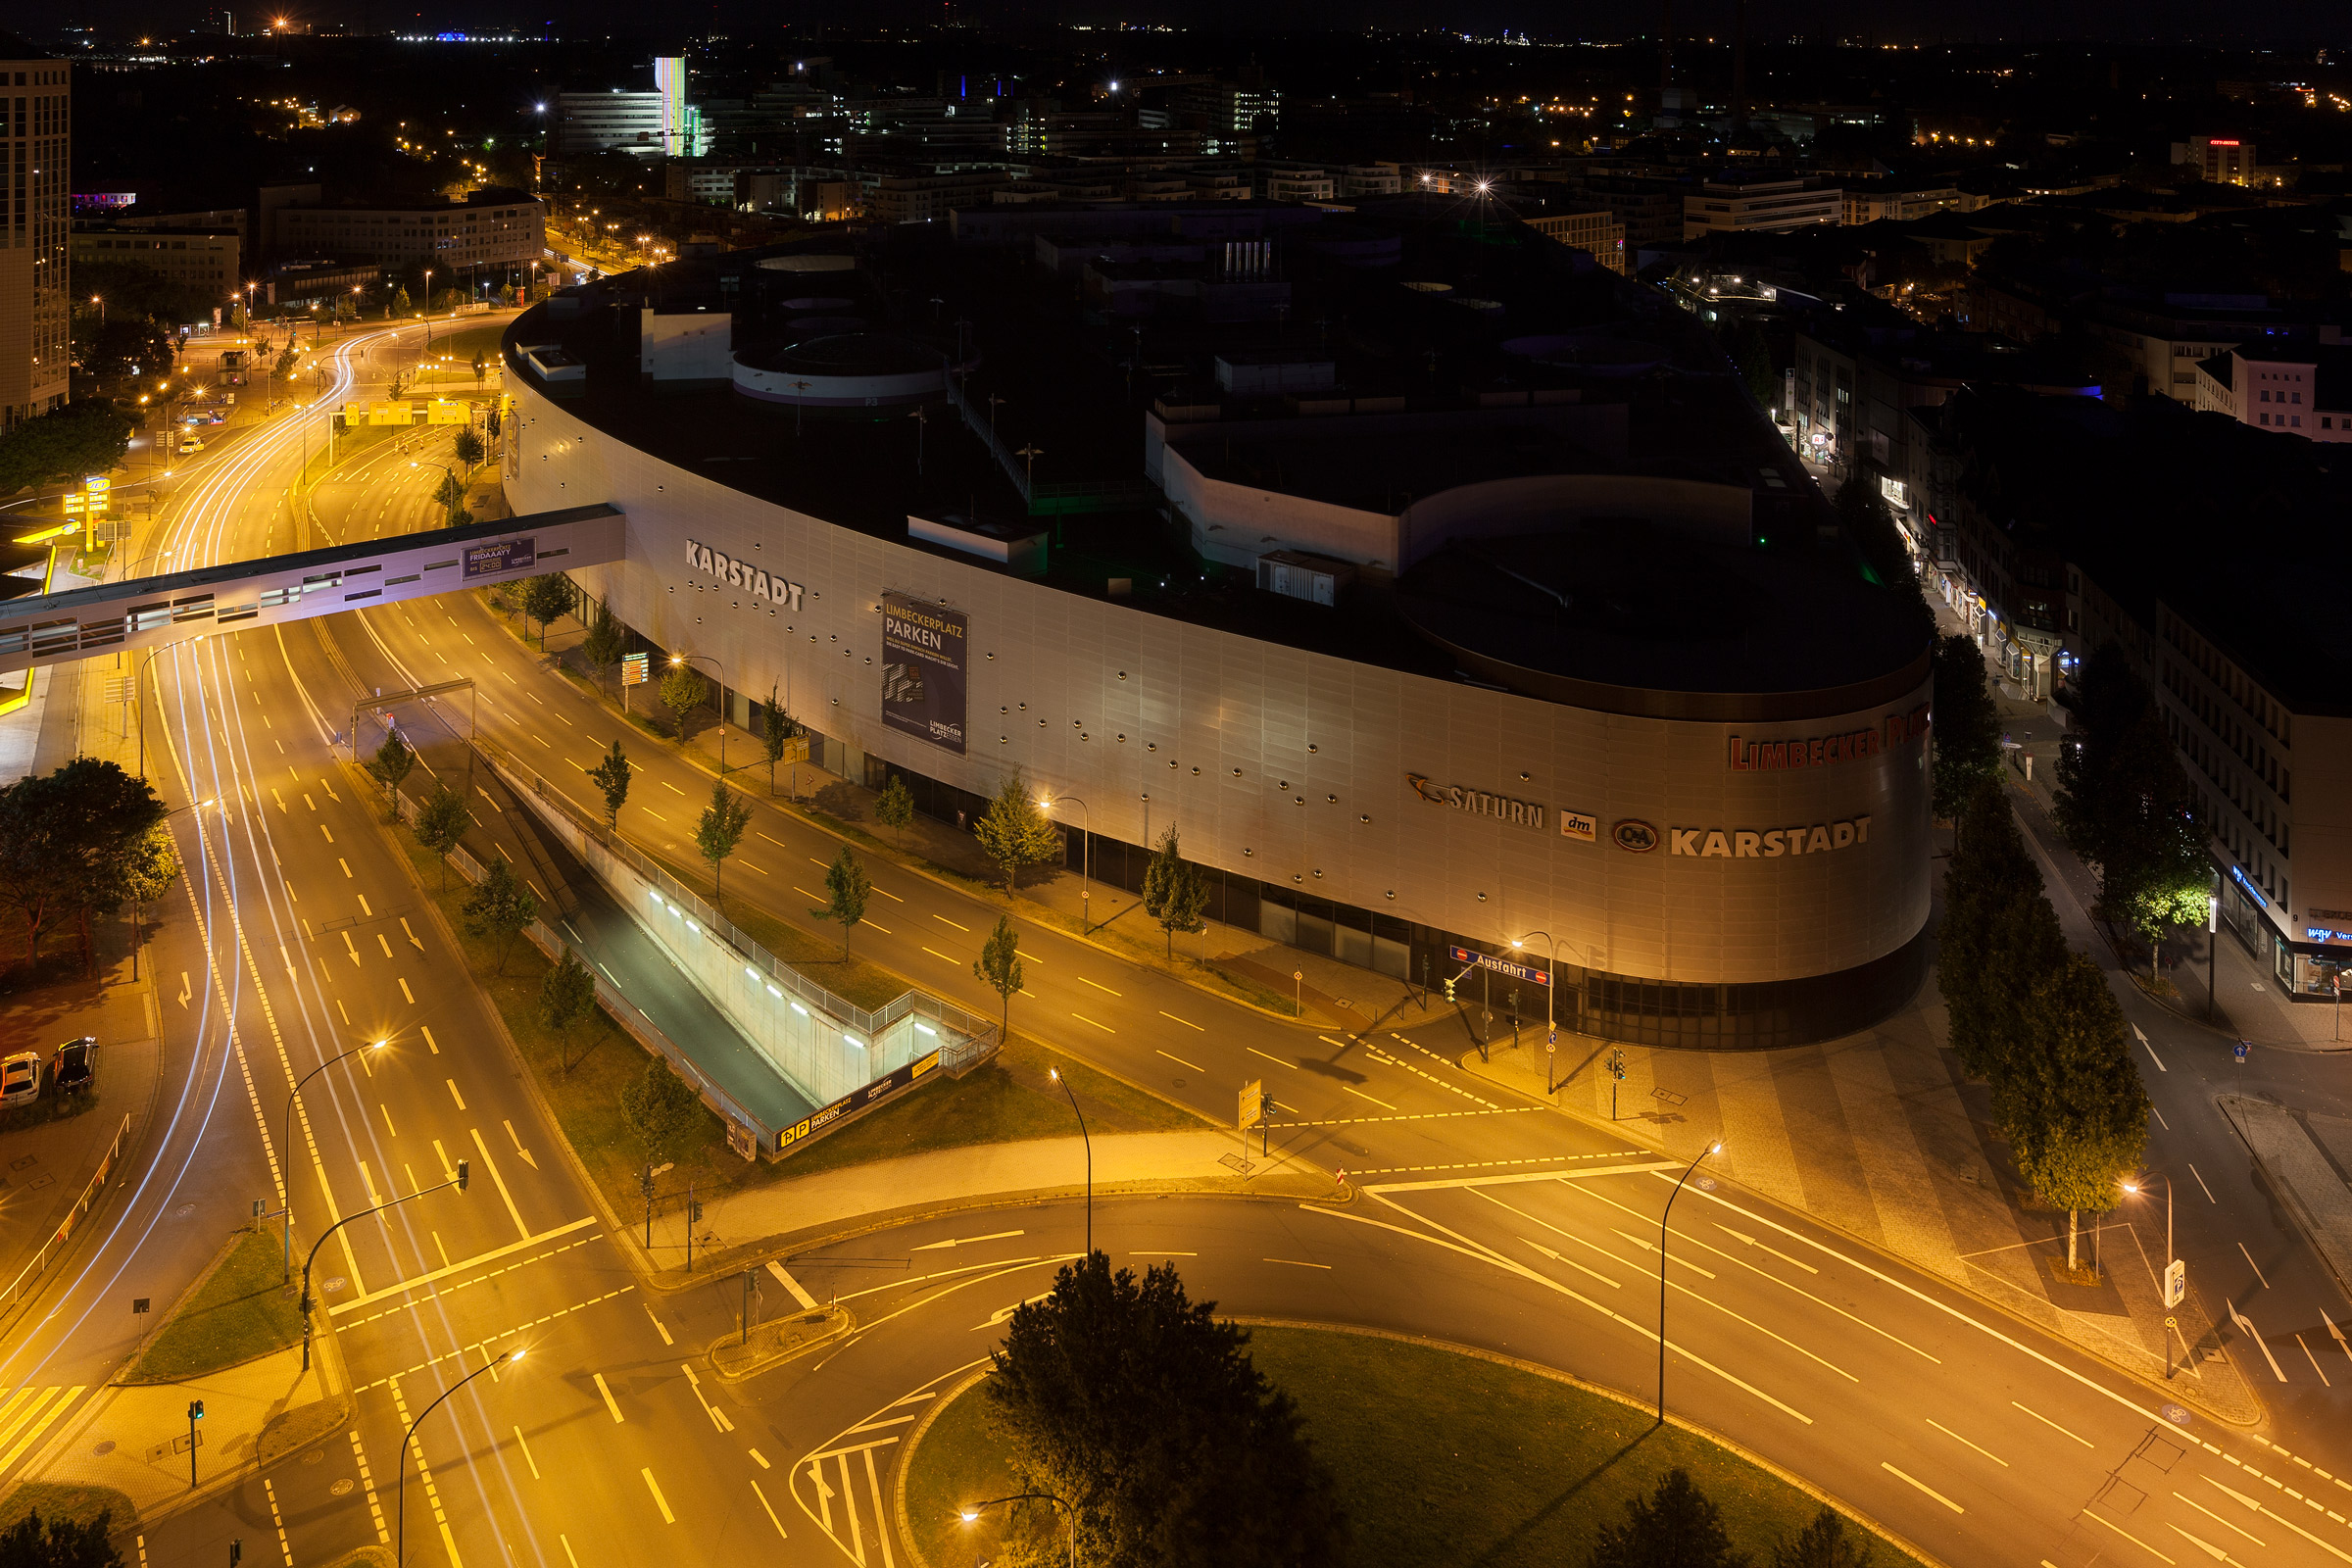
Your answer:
<point x="1014" y="831"/>
<point x="499" y="908"/>
<point x="2124" y="803"/>
<point x="85" y="437"/>
<point x="1141" y="1412"/>
<point x="1968" y="725"/>
<point x="75" y="842"/>
<point x="2073" y="1107"/>
<point x="1999" y="938"/>
<point x="1674" y="1524"/>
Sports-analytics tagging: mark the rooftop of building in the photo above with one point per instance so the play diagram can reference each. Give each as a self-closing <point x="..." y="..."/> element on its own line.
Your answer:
<point x="1650" y="397"/>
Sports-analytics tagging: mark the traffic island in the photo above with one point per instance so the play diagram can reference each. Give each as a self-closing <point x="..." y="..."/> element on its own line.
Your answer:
<point x="1526" y="1464"/>
<point x="770" y="1345"/>
<point x="242" y="1308"/>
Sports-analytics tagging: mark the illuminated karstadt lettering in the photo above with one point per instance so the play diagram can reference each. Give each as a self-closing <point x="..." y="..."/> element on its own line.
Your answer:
<point x="1767" y="844"/>
<point x="744" y="575"/>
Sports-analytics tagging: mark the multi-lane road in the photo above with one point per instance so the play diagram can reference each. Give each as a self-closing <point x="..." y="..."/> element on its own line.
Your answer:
<point x="1480" y="1219"/>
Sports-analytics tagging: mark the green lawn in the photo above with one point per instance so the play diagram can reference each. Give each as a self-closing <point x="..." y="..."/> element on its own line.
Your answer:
<point x="1440" y="1458"/>
<point x="242" y="1311"/>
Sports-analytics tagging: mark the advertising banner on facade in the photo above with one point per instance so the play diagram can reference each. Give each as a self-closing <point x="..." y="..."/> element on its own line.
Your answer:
<point x="923" y="671"/>
<point x="506" y="555"/>
<point x="816" y="1121"/>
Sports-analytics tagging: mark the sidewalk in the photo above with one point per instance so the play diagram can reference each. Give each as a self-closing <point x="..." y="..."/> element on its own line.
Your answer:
<point x="888" y="1192"/>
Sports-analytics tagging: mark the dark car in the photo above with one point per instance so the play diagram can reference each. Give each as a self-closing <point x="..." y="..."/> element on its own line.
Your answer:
<point x="75" y="1066"/>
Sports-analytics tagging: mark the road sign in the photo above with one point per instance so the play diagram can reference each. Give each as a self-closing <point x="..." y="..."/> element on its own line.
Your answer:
<point x="2239" y="1051"/>
<point x="1255" y="1103"/>
<point x="1551" y="1040"/>
<point x="2175" y="1282"/>
<point x="1517" y="971"/>
<point x="633" y="669"/>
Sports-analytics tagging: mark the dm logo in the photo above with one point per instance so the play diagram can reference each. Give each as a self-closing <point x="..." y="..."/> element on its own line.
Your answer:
<point x="1635" y="835"/>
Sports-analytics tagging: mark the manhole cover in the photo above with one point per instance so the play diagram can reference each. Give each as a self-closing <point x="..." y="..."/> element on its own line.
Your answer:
<point x="1179" y="1083"/>
<point x="2176" y="1415"/>
<point x="183" y="1210"/>
<point x="1706" y="1184"/>
<point x="314" y="1457"/>
<point x="341" y="1489"/>
<point x="104" y="1449"/>
<point x="337" y="1283"/>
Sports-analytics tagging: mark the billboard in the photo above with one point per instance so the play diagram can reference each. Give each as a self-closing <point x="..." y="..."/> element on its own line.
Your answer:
<point x="507" y="555"/>
<point x="923" y="671"/>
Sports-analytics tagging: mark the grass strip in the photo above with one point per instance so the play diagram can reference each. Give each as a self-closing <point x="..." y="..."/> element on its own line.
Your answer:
<point x="243" y="1310"/>
<point x="1440" y="1457"/>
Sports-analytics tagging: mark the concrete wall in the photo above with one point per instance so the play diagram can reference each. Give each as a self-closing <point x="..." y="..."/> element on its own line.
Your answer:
<point x="1289" y="766"/>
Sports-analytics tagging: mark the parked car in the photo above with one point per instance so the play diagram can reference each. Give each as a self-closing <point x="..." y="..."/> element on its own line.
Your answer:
<point x="75" y="1066"/>
<point x="21" y="1078"/>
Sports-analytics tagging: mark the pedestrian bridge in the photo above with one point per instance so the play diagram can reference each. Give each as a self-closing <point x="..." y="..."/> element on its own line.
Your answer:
<point x="144" y="612"/>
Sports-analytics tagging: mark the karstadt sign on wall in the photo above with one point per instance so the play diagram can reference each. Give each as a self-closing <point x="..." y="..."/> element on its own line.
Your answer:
<point x="744" y="575"/>
<point x="923" y="671"/>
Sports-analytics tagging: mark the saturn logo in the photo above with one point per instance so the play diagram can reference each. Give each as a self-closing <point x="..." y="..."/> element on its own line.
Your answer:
<point x="1635" y="835"/>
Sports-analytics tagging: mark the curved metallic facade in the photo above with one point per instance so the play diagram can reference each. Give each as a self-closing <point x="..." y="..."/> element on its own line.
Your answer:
<point x="1757" y="880"/>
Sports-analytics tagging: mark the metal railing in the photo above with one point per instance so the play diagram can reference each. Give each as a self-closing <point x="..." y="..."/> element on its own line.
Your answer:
<point x="32" y="1270"/>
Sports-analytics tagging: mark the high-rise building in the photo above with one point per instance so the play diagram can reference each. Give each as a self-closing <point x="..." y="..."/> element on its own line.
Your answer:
<point x="35" y="123"/>
<point x="651" y="124"/>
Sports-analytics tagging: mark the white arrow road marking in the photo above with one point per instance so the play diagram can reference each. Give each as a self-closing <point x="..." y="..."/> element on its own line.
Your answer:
<point x="185" y="990"/>
<point x="412" y="939"/>
<point x="2160" y="1067"/>
<point x="519" y="1149"/>
<point x="808" y="1302"/>
<point x="971" y="1241"/>
<point x="2252" y="1333"/>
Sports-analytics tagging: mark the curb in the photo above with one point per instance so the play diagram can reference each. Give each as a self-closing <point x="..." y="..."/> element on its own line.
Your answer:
<point x="914" y="1437"/>
<point x="2173" y="1394"/>
<point x="840" y="1324"/>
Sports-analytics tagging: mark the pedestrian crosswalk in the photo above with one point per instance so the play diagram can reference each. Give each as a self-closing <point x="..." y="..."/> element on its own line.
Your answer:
<point x="28" y="1414"/>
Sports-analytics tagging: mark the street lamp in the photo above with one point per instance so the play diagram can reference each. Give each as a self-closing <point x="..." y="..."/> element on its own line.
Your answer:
<point x="678" y="660"/>
<point x="293" y="1094"/>
<point x="458" y="1181"/>
<point x="1715" y="1147"/>
<point x="428" y="307"/>
<point x="401" y="1503"/>
<point x="1085" y="855"/>
<point x="970" y="1512"/>
<point x="2176" y="1272"/>
<point x="1552" y="1032"/>
<point x="1054" y="1073"/>
<point x="457" y="495"/>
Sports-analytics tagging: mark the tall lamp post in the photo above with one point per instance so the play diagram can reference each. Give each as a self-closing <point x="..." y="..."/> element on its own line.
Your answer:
<point x="458" y="1181"/>
<point x="1715" y="1147"/>
<point x="1551" y="1031"/>
<point x="2175" y="1273"/>
<point x="401" y="1500"/>
<point x="293" y="1094"/>
<point x="678" y="660"/>
<point x="428" y="307"/>
<point x="1085" y="855"/>
<point x="970" y="1512"/>
<point x="457" y="490"/>
<point x="1087" y="1138"/>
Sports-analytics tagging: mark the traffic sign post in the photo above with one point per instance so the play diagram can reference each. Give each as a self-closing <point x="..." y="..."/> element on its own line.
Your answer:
<point x="1616" y="1077"/>
<point x="634" y="671"/>
<point x="2175" y="1282"/>
<point x="1256" y="1111"/>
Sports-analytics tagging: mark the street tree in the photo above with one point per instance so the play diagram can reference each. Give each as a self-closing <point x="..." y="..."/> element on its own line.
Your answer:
<point x="846" y="892"/>
<point x="893" y="808"/>
<point x="547" y="599"/>
<point x="452" y="496"/>
<point x="777" y="730"/>
<point x="2000" y="937"/>
<point x="89" y="436"/>
<point x="659" y="1108"/>
<point x="1872" y="531"/>
<point x="1174" y="891"/>
<point x="481" y="366"/>
<point x="1827" y="1543"/>
<point x="1674" y="1526"/>
<point x="151" y="865"/>
<point x="567" y="997"/>
<point x="71" y="842"/>
<point x="721" y="829"/>
<point x="499" y="909"/>
<point x="611" y="775"/>
<point x="2073" y="1107"/>
<point x="607" y="640"/>
<point x="1014" y="832"/>
<point x="36" y="1542"/>
<point x="683" y="690"/>
<point x="2125" y="804"/>
<point x="999" y="964"/>
<point x="1967" y="737"/>
<point x="393" y="762"/>
<point x="468" y="447"/>
<point x="1136" y="1409"/>
<point x="441" y="824"/>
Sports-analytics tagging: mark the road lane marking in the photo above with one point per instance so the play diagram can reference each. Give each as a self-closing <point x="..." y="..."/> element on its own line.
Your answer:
<point x="1562" y="1258"/>
<point x="673" y="788"/>
<point x="2315" y="1362"/>
<point x="760" y="1460"/>
<point x="1752" y="1241"/>
<point x="2217" y="1518"/>
<point x="1296" y="1264"/>
<point x="885" y="930"/>
<point x="1957" y="1438"/>
<point x="345" y="864"/>
<point x="2250" y="1263"/>
<point x="387" y="1111"/>
<point x="658" y="1328"/>
<point x="459" y="1267"/>
<point x="936" y="953"/>
<point x="763" y="1497"/>
<point x="385" y="941"/>
<point x="1180" y="1062"/>
<point x="453" y="1093"/>
<point x="2208" y="1192"/>
<point x="1932" y="1492"/>
<point x="660" y="1502"/>
<point x="2150" y="1050"/>
<point x="2052" y="1425"/>
<point x="1109" y="1030"/>
<point x="501" y="1182"/>
<point x="792" y="1286"/>
<point x="519" y="1149"/>
<point x="1360" y="1095"/>
<point x="943" y="919"/>
<point x="1187" y="1022"/>
<point x="778" y="843"/>
<point x="966" y="1241"/>
<point x="2088" y="1514"/>
<point x="428" y="1039"/>
<point x="1098" y="986"/>
<point x="611" y="1404"/>
<point x="411" y="996"/>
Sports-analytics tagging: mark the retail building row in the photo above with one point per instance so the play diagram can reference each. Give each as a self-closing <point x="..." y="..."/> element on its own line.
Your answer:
<point x="2051" y="526"/>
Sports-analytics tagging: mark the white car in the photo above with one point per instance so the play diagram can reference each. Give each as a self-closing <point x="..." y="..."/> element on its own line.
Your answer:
<point x="19" y="1078"/>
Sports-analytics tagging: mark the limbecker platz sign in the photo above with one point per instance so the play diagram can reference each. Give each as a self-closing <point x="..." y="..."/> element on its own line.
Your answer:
<point x="1824" y="751"/>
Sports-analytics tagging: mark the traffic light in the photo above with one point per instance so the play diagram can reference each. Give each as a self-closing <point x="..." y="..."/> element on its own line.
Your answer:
<point x="236" y="1552"/>
<point x="195" y="1409"/>
<point x="694" y="1211"/>
<point x="1450" y="988"/>
<point x="464" y="1174"/>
